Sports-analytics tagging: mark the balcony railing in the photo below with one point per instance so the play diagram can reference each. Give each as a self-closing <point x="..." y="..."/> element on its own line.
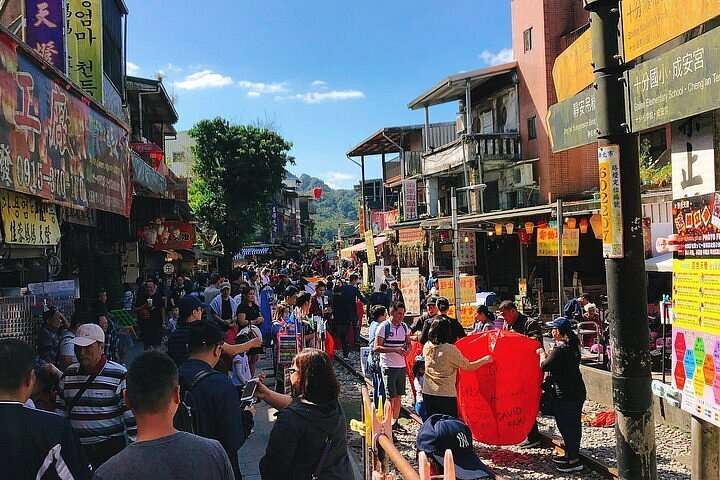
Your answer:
<point x="498" y="146"/>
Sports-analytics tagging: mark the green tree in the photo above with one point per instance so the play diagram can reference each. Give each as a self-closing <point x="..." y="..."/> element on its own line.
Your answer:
<point x="238" y="169"/>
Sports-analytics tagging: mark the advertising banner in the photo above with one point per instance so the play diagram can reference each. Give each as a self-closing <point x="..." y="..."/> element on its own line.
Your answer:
<point x="467" y="250"/>
<point x="611" y="201"/>
<point x="410" y="189"/>
<point x="84" y="45"/>
<point x="370" y="248"/>
<point x="696" y="225"/>
<point x="27" y="220"/>
<point x="410" y="288"/>
<point x="53" y="144"/>
<point x="45" y="30"/>
<point x="382" y="221"/>
<point x="547" y="242"/>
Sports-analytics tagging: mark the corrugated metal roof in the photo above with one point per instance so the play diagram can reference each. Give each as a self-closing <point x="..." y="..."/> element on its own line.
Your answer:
<point x="453" y="87"/>
<point x="388" y="139"/>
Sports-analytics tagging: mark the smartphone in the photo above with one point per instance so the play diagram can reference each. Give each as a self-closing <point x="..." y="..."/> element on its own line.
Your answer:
<point x="248" y="392"/>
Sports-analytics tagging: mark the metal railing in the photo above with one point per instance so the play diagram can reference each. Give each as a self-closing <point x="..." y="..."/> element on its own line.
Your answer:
<point x="498" y="146"/>
<point x="379" y="451"/>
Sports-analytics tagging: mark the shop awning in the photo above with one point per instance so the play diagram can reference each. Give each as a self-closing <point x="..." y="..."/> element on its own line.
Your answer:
<point x="360" y="247"/>
<point x="453" y="87"/>
<point x="660" y="264"/>
<point x="250" y="251"/>
<point x="145" y="176"/>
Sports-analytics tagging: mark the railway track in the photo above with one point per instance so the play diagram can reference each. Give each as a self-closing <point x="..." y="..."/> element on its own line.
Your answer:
<point x="548" y="441"/>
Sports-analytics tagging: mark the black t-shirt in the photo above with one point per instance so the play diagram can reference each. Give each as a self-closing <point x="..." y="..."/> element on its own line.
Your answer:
<point x="456" y="329"/>
<point x="419" y="323"/>
<point x="563" y="364"/>
<point x="252" y="312"/>
<point x="227" y="312"/>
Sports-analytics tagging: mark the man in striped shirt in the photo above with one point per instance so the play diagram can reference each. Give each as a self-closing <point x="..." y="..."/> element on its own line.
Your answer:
<point x="91" y="394"/>
<point x="392" y="342"/>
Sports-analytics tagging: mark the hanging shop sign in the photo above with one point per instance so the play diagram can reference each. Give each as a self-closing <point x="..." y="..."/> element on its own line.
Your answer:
<point x="169" y="235"/>
<point x="27" y="220"/>
<point x="382" y="221"/>
<point x="446" y="288"/>
<point x="547" y="242"/>
<point x="410" y="236"/>
<point x="410" y="191"/>
<point x="572" y="122"/>
<point x="85" y="45"/>
<point x="45" y="30"/>
<point x="410" y="288"/>
<point x="573" y="71"/>
<point x="696" y="226"/>
<point x="693" y="156"/>
<point x="370" y="247"/>
<point x="681" y="83"/>
<point x="467" y="250"/>
<point x="611" y="201"/>
<point x="86" y="217"/>
<point x="53" y="143"/>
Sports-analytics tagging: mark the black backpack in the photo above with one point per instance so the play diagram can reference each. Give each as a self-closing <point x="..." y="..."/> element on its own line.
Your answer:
<point x="187" y="417"/>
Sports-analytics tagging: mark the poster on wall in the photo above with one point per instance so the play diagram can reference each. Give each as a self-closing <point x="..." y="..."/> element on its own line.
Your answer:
<point x="169" y="235"/>
<point x="27" y="220"/>
<point x="696" y="226"/>
<point x="410" y="288"/>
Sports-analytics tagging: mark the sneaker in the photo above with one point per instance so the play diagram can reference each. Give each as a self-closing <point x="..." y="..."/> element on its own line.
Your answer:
<point x="560" y="460"/>
<point x="571" y="466"/>
<point x="531" y="443"/>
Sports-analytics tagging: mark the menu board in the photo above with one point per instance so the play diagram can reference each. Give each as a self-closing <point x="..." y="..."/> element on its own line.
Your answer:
<point x="410" y="288"/>
<point x="696" y="305"/>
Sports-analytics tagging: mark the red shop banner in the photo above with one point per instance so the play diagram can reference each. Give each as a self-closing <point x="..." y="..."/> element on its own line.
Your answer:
<point x="169" y="235"/>
<point x="56" y="143"/>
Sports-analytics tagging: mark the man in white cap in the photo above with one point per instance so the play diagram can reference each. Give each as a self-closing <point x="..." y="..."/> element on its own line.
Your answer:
<point x="91" y="394"/>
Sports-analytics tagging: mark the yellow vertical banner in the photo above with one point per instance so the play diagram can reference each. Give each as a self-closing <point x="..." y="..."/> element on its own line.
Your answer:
<point x="611" y="201"/>
<point x="370" y="247"/>
<point x="85" y="45"/>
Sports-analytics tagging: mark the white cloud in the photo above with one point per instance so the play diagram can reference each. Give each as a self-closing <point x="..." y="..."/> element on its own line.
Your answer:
<point x="496" y="58"/>
<point x="132" y="68"/>
<point x="204" y="79"/>
<point x="260" y="88"/>
<point x="329" y="96"/>
<point x="337" y="180"/>
<point x="319" y="83"/>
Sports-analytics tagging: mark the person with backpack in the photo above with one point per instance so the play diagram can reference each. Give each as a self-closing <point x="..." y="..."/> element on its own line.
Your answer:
<point x="392" y="342"/>
<point x="161" y="452"/>
<point x="308" y="440"/>
<point x="378" y="315"/>
<point x="210" y="406"/>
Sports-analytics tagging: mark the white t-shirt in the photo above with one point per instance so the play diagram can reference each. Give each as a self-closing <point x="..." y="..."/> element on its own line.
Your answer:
<point x="392" y="337"/>
<point x="418" y="384"/>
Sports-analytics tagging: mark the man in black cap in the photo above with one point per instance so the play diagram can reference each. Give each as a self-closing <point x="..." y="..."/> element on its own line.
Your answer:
<point x="216" y="408"/>
<point x="442" y="432"/>
<point x="425" y="319"/>
<point x="191" y="312"/>
<point x="456" y="329"/>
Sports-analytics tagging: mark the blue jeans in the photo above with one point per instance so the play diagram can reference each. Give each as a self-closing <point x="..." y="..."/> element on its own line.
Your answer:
<point x="378" y="385"/>
<point x="568" y="414"/>
<point x="420" y="410"/>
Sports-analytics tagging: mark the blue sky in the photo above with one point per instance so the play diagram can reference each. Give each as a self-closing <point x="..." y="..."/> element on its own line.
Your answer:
<point x="326" y="73"/>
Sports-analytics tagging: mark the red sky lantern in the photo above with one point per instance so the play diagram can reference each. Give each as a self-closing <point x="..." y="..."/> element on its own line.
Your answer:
<point x="317" y="193"/>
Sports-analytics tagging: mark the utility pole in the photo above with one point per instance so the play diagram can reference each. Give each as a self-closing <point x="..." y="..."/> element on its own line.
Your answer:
<point x="456" y="252"/>
<point x="626" y="281"/>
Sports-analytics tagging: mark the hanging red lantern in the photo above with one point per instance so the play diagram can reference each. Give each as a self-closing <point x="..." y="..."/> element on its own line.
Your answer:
<point x="524" y="237"/>
<point x="317" y="193"/>
<point x="584" y="225"/>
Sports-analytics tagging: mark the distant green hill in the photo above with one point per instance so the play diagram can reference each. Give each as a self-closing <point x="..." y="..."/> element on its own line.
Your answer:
<point x="335" y="207"/>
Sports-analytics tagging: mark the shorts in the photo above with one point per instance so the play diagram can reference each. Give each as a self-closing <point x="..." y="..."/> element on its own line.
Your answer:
<point x="394" y="379"/>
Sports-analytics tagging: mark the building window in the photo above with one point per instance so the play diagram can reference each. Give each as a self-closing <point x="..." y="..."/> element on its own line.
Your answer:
<point x="527" y="39"/>
<point x="532" y="131"/>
